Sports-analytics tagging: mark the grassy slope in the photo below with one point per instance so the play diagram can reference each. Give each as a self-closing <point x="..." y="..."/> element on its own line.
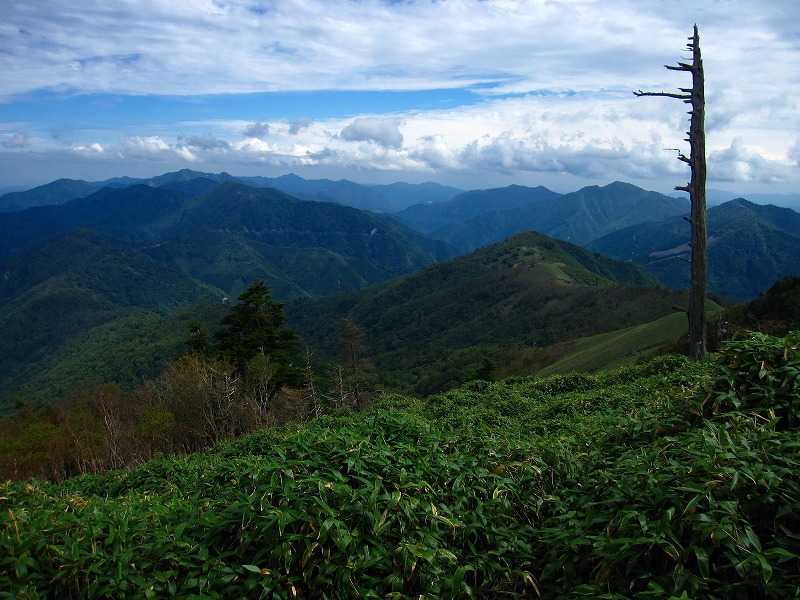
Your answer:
<point x="617" y="348"/>
<point x="621" y="347"/>
<point x="567" y="486"/>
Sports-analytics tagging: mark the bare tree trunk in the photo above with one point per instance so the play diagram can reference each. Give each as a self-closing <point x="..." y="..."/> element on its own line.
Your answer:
<point x="697" y="193"/>
<point x="311" y="389"/>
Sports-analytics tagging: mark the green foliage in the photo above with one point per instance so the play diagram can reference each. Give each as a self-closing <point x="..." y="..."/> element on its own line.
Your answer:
<point x="59" y="290"/>
<point x="530" y="291"/>
<point x="664" y="479"/>
<point x="757" y="376"/>
<point x="776" y="311"/>
<point x="386" y="507"/>
<point x="256" y="327"/>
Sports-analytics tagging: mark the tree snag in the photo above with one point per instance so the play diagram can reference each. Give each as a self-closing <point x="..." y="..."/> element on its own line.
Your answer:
<point x="696" y="188"/>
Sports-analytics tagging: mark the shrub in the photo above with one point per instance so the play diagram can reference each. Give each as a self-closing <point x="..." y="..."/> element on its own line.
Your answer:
<point x="758" y="375"/>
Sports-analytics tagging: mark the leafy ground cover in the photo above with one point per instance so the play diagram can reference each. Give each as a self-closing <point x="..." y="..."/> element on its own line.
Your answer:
<point x="666" y="479"/>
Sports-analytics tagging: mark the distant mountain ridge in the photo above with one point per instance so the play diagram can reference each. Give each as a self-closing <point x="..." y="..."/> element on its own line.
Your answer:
<point x="750" y="247"/>
<point x="430" y="217"/>
<point x="578" y="217"/>
<point x="144" y="215"/>
<point x="377" y="198"/>
<point x="157" y="246"/>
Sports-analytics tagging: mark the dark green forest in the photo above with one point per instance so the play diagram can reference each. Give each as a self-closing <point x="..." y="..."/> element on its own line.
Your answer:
<point x="212" y="388"/>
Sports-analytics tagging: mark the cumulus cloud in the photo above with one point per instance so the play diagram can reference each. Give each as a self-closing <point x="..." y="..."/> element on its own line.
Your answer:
<point x="298" y="125"/>
<point x="204" y="142"/>
<point x="538" y="88"/>
<point x="382" y="131"/>
<point x="740" y="163"/>
<point x="17" y="140"/>
<point x="433" y="152"/>
<point x="259" y="129"/>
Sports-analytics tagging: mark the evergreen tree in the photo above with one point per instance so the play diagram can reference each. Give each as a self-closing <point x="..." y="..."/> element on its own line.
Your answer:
<point x="198" y="343"/>
<point x="256" y="326"/>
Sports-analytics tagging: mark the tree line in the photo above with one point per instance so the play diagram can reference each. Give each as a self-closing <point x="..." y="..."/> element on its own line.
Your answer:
<point x="248" y="375"/>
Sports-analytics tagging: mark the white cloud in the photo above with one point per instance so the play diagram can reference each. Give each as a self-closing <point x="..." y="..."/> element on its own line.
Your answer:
<point x="259" y="129"/>
<point x="554" y="76"/>
<point x="204" y="47"/>
<point x="204" y="142"/>
<point x="16" y="140"/>
<point x="298" y="125"/>
<point x="384" y="132"/>
<point x="740" y="163"/>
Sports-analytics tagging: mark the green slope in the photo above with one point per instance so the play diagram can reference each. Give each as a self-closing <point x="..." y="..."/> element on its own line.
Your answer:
<point x="232" y="261"/>
<point x="635" y="483"/>
<point x="578" y="217"/>
<point x="64" y="287"/>
<point x="133" y="347"/>
<point x="528" y="291"/>
<point x="750" y="246"/>
<point x="617" y="348"/>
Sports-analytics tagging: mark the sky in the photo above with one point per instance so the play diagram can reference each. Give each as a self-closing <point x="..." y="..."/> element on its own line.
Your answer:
<point x="469" y="93"/>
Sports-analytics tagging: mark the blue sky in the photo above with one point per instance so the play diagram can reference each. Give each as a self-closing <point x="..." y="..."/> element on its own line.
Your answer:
<point x="471" y="93"/>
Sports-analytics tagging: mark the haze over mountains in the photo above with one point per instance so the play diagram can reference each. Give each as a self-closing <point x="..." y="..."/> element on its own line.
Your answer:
<point x="437" y="277"/>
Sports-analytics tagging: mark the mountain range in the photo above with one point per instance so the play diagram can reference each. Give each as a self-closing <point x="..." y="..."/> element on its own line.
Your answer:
<point x="438" y="278"/>
<point x="523" y="293"/>
<point x="750" y="246"/>
<point x="377" y="198"/>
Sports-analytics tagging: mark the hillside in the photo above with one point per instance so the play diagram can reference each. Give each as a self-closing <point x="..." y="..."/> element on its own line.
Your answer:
<point x="667" y="480"/>
<point x="232" y="261"/>
<point x="65" y="286"/>
<point x="146" y="215"/>
<point x="85" y="263"/>
<point x="750" y="246"/>
<point x="275" y="218"/>
<point x="429" y="217"/>
<point x="578" y="217"/>
<point x="506" y="299"/>
<point x="135" y="214"/>
<point x="56" y="192"/>
<point x="135" y="346"/>
<point x="776" y="311"/>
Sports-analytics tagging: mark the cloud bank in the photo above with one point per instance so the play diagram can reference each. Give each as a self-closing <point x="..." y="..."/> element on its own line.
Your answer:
<point x="479" y="91"/>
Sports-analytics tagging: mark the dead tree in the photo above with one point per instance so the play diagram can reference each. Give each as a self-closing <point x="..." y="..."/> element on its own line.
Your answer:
<point x="695" y="96"/>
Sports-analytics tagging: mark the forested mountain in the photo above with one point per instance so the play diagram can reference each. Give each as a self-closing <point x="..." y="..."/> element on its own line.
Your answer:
<point x="69" y="269"/>
<point x="750" y="246"/>
<point x="578" y="217"/>
<point x="523" y="293"/>
<point x="56" y="192"/>
<point x="59" y="289"/>
<point x="135" y="214"/>
<point x="185" y="238"/>
<point x="275" y="218"/>
<point x="430" y="217"/>
<point x="232" y="261"/>
<point x="146" y="215"/>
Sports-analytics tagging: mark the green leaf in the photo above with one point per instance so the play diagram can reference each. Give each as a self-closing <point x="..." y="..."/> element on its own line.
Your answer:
<point x="253" y="568"/>
<point x="702" y="560"/>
